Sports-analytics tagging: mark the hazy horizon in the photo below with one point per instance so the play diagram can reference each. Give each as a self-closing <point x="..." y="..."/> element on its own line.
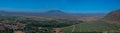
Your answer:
<point x="69" y="6"/>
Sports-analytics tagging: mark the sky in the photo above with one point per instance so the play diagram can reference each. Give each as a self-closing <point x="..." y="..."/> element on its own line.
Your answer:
<point x="70" y="6"/>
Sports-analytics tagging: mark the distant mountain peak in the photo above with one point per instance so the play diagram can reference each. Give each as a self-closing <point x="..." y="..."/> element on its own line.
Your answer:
<point x="55" y="11"/>
<point x="2" y="11"/>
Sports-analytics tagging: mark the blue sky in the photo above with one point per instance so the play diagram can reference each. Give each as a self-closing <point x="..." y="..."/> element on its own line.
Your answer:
<point x="72" y="6"/>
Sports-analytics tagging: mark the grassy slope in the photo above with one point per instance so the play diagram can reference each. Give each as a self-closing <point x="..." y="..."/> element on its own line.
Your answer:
<point x="94" y="26"/>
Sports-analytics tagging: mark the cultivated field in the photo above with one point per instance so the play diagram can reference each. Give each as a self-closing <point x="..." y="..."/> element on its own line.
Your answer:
<point x="94" y="26"/>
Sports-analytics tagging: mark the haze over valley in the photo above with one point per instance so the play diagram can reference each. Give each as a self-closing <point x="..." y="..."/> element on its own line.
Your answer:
<point x="59" y="16"/>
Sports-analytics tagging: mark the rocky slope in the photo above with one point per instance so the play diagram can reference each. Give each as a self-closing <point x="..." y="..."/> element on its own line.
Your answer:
<point x="113" y="17"/>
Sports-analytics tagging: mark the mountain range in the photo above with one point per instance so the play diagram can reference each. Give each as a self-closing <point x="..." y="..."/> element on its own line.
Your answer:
<point x="51" y="13"/>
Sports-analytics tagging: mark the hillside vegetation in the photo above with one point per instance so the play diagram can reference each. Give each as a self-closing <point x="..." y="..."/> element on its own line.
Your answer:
<point x="94" y="26"/>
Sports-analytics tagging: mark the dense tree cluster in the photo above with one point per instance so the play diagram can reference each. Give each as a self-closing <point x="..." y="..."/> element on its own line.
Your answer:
<point x="52" y="23"/>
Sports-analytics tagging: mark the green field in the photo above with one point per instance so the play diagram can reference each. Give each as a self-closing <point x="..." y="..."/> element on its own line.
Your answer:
<point x="94" y="26"/>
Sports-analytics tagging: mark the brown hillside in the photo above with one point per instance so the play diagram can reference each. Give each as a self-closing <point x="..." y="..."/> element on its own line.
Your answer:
<point x="113" y="17"/>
